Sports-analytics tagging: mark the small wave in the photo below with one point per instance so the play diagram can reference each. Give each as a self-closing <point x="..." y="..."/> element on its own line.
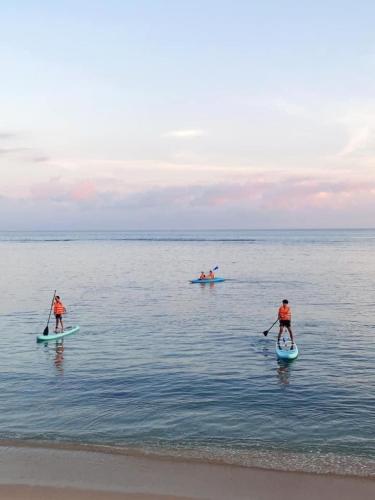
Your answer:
<point x="310" y="462"/>
<point x="57" y="240"/>
<point x="29" y="240"/>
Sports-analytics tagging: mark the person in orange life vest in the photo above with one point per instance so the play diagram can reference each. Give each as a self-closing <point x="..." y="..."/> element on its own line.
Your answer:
<point x="202" y="276"/>
<point x="285" y="318"/>
<point x="211" y="275"/>
<point x="58" y="311"/>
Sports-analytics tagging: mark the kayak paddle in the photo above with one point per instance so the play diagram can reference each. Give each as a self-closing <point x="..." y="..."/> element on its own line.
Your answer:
<point x="265" y="333"/>
<point x="46" y="331"/>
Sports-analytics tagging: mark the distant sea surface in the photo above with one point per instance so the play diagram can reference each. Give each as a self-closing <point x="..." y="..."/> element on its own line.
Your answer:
<point x="163" y="366"/>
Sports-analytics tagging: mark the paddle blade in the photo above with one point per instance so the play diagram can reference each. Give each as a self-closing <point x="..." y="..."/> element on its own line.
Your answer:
<point x="215" y="268"/>
<point x="45" y="332"/>
<point x="265" y="333"/>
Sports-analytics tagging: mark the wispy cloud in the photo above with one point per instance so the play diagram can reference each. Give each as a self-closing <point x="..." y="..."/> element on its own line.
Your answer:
<point x="358" y="139"/>
<point x="359" y="122"/>
<point x="288" y="107"/>
<point x="11" y="151"/>
<point x="15" y="145"/>
<point x="7" y="135"/>
<point x="185" y="133"/>
<point x="40" y="159"/>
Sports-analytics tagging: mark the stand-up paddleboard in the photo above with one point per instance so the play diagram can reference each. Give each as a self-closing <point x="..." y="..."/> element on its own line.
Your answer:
<point x="285" y="352"/>
<point x="214" y="280"/>
<point x="55" y="336"/>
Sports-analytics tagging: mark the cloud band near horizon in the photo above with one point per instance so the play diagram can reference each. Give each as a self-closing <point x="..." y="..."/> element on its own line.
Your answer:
<point x="270" y="198"/>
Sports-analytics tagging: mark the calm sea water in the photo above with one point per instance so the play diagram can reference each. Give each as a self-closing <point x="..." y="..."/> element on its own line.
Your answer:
<point x="160" y="364"/>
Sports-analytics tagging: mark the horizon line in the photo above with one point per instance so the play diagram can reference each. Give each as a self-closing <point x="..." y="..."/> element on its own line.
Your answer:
<point x="190" y="229"/>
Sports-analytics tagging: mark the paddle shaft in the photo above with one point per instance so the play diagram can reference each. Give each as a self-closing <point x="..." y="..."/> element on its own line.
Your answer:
<point x="50" y="312"/>
<point x="270" y="328"/>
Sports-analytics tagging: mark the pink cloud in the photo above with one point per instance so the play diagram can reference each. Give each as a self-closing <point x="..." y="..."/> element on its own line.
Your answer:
<point x="277" y="200"/>
<point x="289" y="194"/>
<point x="83" y="191"/>
<point x="58" y="190"/>
<point x="268" y="193"/>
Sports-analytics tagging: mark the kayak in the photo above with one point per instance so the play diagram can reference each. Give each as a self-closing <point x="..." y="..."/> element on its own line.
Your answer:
<point x="55" y="336"/>
<point x="285" y="352"/>
<point x="214" y="280"/>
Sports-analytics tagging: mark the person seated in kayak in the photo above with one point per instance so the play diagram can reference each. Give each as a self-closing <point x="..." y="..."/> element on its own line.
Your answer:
<point x="202" y="276"/>
<point x="211" y="275"/>
<point x="58" y="311"/>
<point x="285" y="318"/>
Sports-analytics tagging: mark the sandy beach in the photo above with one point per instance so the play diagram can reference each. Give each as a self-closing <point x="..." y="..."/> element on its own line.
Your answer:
<point x="17" y="492"/>
<point x="31" y="473"/>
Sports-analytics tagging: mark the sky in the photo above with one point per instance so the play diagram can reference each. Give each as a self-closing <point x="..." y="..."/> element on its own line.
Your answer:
<point x="187" y="114"/>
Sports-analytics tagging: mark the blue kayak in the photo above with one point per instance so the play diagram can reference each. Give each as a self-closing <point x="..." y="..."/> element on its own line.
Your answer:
<point x="285" y="352"/>
<point x="215" y="280"/>
<point x="55" y="336"/>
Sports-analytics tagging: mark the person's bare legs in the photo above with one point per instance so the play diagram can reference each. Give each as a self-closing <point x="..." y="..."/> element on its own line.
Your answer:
<point x="291" y="335"/>
<point x="57" y="324"/>
<point x="62" y="324"/>
<point x="280" y="333"/>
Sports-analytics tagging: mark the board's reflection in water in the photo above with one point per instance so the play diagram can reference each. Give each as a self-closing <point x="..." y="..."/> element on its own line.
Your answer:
<point x="284" y="371"/>
<point x="59" y="357"/>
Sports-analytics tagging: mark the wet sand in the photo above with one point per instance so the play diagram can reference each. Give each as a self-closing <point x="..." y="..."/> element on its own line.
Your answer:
<point x="16" y="492"/>
<point x="38" y="473"/>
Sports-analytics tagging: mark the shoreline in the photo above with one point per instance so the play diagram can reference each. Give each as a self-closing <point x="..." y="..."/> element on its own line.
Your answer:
<point x="281" y="461"/>
<point x="22" y="492"/>
<point x="263" y="460"/>
<point x="36" y="471"/>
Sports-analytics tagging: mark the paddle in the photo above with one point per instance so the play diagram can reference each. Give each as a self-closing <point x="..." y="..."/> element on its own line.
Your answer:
<point x="265" y="333"/>
<point x="46" y="331"/>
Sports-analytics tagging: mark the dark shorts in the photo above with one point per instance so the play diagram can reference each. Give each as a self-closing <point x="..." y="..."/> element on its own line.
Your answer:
<point x="285" y="322"/>
<point x="58" y="316"/>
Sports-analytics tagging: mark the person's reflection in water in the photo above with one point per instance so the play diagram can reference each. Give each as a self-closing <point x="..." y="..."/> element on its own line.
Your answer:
<point x="59" y="358"/>
<point x="210" y="286"/>
<point x="283" y="372"/>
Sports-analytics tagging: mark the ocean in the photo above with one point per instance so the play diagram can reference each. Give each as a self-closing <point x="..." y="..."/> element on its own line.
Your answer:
<point x="162" y="366"/>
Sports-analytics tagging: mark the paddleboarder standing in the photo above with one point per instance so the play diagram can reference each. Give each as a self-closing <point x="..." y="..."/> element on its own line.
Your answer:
<point x="58" y="310"/>
<point x="285" y="318"/>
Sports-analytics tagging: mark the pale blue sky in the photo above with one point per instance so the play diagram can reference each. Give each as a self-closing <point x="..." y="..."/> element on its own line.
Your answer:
<point x="196" y="114"/>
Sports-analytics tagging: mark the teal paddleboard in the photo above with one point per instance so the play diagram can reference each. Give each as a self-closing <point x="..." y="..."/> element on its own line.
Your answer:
<point x="55" y="336"/>
<point x="215" y="280"/>
<point x="285" y="352"/>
